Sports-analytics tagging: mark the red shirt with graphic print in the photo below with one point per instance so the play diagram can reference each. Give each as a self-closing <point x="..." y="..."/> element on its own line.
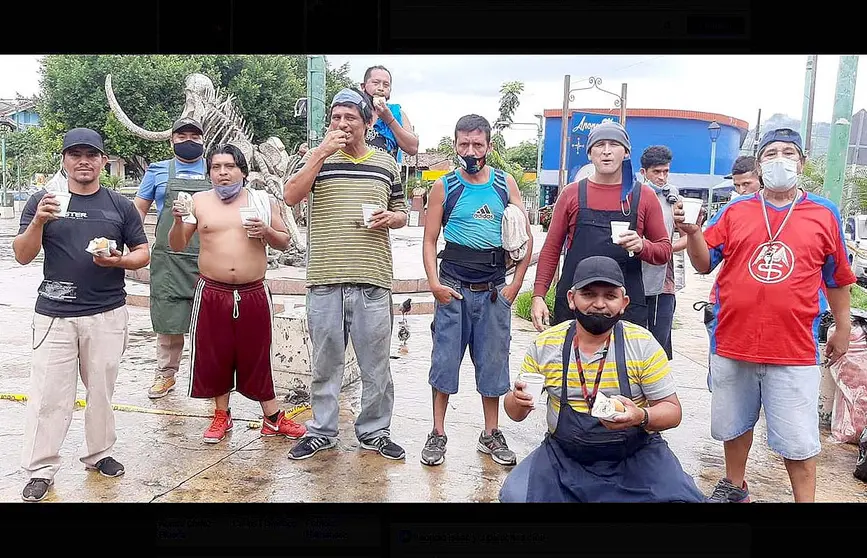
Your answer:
<point x="770" y="300"/>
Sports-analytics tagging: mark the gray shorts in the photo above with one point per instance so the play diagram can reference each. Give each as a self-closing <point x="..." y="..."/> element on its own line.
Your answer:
<point x="789" y="395"/>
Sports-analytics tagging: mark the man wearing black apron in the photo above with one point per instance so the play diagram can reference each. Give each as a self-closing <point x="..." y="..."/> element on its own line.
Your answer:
<point x="587" y="459"/>
<point x="173" y="275"/>
<point x="609" y="201"/>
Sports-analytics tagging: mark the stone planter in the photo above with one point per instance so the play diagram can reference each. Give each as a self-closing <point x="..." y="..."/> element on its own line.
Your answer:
<point x="292" y="354"/>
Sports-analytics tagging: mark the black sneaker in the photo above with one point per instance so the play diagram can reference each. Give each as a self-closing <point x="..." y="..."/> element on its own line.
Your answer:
<point x="36" y="489"/>
<point x="385" y="447"/>
<point x="434" y="451"/>
<point x="726" y="492"/>
<point x="107" y="467"/>
<point x="495" y="446"/>
<point x="309" y="445"/>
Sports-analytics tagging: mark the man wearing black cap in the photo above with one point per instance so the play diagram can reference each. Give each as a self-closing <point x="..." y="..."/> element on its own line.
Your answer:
<point x="592" y="453"/>
<point x="356" y="196"/>
<point x="785" y="263"/>
<point x="589" y="218"/>
<point x="173" y="275"/>
<point x="80" y="324"/>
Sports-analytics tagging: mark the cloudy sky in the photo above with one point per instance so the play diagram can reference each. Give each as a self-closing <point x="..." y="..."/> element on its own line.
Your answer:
<point x="437" y="90"/>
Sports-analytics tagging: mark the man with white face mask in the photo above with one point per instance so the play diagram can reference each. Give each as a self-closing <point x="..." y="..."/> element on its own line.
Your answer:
<point x="783" y="251"/>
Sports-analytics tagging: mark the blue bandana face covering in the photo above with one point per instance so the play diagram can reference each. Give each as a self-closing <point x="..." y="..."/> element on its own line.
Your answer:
<point x="229" y="192"/>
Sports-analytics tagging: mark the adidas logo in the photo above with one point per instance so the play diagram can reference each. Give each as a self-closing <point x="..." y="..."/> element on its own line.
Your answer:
<point x="484" y="213"/>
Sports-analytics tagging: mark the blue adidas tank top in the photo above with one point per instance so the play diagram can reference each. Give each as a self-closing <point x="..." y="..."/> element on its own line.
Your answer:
<point x="476" y="220"/>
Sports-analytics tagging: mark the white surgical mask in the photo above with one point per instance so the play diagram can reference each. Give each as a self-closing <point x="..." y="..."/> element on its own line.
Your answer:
<point x="779" y="174"/>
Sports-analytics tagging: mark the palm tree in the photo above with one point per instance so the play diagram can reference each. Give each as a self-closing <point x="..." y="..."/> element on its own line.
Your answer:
<point x="854" y="199"/>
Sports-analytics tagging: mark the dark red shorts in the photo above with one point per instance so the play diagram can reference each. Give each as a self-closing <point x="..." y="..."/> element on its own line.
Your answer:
<point x="231" y="337"/>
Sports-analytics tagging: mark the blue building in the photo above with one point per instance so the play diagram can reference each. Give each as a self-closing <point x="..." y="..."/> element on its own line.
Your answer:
<point x="684" y="132"/>
<point x="23" y="113"/>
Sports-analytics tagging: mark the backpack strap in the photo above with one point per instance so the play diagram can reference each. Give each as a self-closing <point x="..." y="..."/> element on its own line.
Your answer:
<point x="453" y="188"/>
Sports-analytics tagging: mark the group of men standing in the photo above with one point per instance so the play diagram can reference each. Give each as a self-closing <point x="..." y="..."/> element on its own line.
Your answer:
<point x="610" y="333"/>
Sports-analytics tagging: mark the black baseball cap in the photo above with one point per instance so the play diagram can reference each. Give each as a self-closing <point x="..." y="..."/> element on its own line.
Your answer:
<point x="187" y="122"/>
<point x="597" y="269"/>
<point x="82" y="136"/>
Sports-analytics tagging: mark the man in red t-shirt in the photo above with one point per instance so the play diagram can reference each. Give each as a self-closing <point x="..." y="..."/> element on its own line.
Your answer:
<point x="745" y="177"/>
<point x="785" y="261"/>
<point x="611" y="194"/>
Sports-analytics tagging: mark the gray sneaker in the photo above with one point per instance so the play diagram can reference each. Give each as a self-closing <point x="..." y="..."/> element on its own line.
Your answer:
<point x="726" y="492"/>
<point x="434" y="452"/>
<point x="495" y="446"/>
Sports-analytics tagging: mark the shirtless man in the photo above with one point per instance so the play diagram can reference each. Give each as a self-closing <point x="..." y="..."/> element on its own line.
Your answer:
<point x="231" y="321"/>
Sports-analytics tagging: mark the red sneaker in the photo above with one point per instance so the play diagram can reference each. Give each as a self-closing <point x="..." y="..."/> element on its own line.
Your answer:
<point x="283" y="427"/>
<point x="221" y="424"/>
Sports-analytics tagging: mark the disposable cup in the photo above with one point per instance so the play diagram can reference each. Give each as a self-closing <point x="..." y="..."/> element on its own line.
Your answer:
<point x="63" y="200"/>
<point x="618" y="228"/>
<point x="367" y="210"/>
<point x="535" y="385"/>
<point x="691" y="209"/>
<point x="248" y="213"/>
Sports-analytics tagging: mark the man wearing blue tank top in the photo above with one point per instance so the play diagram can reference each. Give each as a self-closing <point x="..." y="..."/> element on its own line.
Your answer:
<point x="391" y="130"/>
<point x="473" y="302"/>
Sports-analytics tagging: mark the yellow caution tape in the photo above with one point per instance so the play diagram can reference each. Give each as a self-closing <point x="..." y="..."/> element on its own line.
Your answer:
<point x="81" y="404"/>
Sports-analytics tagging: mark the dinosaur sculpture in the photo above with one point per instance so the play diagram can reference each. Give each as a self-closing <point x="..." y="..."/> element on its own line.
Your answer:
<point x="269" y="162"/>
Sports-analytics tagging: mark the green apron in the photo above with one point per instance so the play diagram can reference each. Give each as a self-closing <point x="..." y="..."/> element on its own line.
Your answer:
<point x="174" y="274"/>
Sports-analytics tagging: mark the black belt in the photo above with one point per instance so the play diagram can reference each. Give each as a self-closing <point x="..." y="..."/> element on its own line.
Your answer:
<point x="481" y="288"/>
<point x="462" y="254"/>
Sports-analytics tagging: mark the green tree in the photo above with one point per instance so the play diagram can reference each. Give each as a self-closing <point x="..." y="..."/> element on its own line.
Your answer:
<point x="151" y="91"/>
<point x="446" y="146"/>
<point x="854" y="200"/>
<point x="523" y="154"/>
<point x="36" y="150"/>
<point x="510" y="99"/>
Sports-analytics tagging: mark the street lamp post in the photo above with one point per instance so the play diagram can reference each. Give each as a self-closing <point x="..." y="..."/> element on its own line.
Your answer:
<point x="713" y="129"/>
<point x="6" y="126"/>
<point x="538" y="126"/>
<point x="569" y="96"/>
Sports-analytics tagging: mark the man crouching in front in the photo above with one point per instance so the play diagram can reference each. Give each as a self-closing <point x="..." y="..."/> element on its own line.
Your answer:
<point x="231" y="320"/>
<point x="592" y="454"/>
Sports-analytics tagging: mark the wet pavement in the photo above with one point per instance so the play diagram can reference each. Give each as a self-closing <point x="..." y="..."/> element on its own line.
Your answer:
<point x="166" y="460"/>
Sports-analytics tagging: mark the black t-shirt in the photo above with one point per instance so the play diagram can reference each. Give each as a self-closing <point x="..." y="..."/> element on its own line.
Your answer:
<point x="73" y="285"/>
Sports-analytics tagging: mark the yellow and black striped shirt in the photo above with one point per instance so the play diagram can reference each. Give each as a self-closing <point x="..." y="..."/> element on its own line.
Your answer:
<point x="647" y="368"/>
<point x="341" y="249"/>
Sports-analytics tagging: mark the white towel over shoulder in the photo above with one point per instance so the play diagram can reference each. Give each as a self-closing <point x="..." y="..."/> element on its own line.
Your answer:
<point x="515" y="232"/>
<point x="261" y="200"/>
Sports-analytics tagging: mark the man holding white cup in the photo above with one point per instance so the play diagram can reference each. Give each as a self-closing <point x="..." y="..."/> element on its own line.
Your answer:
<point x="349" y="274"/>
<point x="589" y="213"/>
<point x="80" y="321"/>
<point x="585" y="456"/>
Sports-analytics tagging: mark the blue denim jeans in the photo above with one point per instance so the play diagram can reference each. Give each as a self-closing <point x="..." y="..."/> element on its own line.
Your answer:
<point x="480" y="324"/>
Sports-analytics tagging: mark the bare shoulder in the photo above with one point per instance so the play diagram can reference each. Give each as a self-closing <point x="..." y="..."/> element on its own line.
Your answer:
<point x="203" y="195"/>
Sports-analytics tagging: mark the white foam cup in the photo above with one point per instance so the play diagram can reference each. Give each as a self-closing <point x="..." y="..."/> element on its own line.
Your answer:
<point x="63" y="200"/>
<point x="691" y="209"/>
<point x="535" y="385"/>
<point x="618" y="228"/>
<point x="367" y="209"/>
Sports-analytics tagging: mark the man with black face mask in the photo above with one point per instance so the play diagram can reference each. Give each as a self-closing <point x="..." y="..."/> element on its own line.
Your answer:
<point x="473" y="302"/>
<point x="618" y="458"/>
<point x="173" y="275"/>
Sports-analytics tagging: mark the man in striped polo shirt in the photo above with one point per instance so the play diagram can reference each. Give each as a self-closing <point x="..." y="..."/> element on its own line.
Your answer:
<point x="349" y="273"/>
<point x="599" y="457"/>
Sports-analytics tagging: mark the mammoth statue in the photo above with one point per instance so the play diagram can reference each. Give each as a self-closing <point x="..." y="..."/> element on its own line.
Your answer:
<point x="269" y="162"/>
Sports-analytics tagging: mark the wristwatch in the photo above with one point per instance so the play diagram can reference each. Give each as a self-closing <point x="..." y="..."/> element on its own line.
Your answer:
<point x="646" y="419"/>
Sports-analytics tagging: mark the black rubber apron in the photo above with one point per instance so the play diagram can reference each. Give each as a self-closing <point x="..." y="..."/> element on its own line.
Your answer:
<point x="582" y="461"/>
<point x="593" y="238"/>
<point x="173" y="275"/>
